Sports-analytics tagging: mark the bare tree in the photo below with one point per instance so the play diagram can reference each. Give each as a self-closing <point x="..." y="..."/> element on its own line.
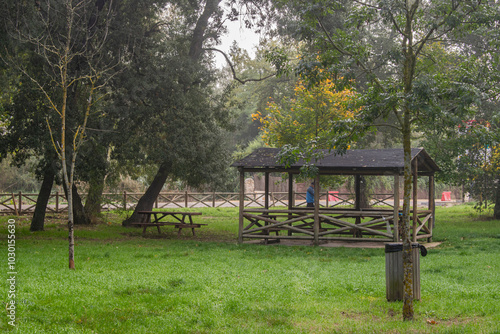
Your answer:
<point x="67" y="37"/>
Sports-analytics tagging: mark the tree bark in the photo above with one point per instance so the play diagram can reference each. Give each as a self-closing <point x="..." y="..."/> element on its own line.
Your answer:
<point x="364" y="196"/>
<point x="79" y="216"/>
<point x="198" y="38"/>
<point x="94" y="197"/>
<point x="147" y="201"/>
<point x="408" y="75"/>
<point x="496" y="211"/>
<point x="38" y="220"/>
<point x="408" y="310"/>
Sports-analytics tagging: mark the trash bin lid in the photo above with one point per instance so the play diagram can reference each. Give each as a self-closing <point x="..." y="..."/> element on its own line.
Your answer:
<point x="398" y="247"/>
<point x="394" y="247"/>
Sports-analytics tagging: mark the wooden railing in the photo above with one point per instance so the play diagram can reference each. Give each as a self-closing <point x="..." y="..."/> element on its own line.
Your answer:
<point x="24" y="203"/>
<point x="333" y="224"/>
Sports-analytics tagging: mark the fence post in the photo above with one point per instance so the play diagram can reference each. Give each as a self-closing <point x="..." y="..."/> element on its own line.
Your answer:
<point x="124" y="200"/>
<point x="57" y="201"/>
<point x="213" y="201"/>
<point x="15" y="206"/>
<point x="20" y="203"/>
<point x="186" y="199"/>
<point x="156" y="201"/>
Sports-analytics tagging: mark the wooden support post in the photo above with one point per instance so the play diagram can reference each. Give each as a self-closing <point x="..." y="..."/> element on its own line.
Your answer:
<point x="266" y="190"/>
<point x="290" y="199"/>
<point x="124" y="200"/>
<point x="432" y="205"/>
<point x="186" y="199"/>
<point x="213" y="200"/>
<point x="357" y="180"/>
<point x="396" y="207"/>
<point x="242" y="205"/>
<point x="57" y="201"/>
<point x="415" y="199"/>
<point x="316" y="210"/>
<point x="20" y="209"/>
<point x="290" y="191"/>
<point x="15" y="206"/>
<point x="156" y="201"/>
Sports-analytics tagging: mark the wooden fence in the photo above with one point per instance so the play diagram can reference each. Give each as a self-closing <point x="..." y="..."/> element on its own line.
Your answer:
<point x="24" y="203"/>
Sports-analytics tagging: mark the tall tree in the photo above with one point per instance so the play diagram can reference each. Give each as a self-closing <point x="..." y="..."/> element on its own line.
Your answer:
<point x="67" y="37"/>
<point x="464" y="147"/>
<point x="182" y="133"/>
<point x="402" y="91"/>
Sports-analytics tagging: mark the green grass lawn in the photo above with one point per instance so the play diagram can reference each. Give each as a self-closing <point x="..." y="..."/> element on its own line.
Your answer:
<point x="127" y="283"/>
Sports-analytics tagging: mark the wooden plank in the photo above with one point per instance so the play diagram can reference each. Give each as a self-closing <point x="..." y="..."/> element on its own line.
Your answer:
<point x="352" y="213"/>
<point x="252" y="223"/>
<point x="305" y="237"/>
<point x="396" y="208"/>
<point x="316" y="210"/>
<point x="356" y="226"/>
<point x="422" y="224"/>
<point x="274" y="223"/>
<point x="226" y="200"/>
<point x="297" y="237"/>
<point x="172" y="213"/>
<point x="423" y="236"/>
<point x="15" y="208"/>
<point x="432" y="204"/>
<point x="168" y="224"/>
<point x="242" y="206"/>
<point x="342" y="229"/>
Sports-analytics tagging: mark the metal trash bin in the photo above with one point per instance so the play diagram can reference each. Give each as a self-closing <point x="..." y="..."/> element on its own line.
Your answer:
<point x="394" y="270"/>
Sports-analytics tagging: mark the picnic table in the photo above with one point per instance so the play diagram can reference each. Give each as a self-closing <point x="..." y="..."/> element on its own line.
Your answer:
<point x="177" y="219"/>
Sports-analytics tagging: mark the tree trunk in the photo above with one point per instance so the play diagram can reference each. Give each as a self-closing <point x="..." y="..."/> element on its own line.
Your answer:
<point x="408" y="310"/>
<point x="199" y="37"/>
<point x="408" y="76"/>
<point x="94" y="197"/>
<point x="79" y="216"/>
<point x="38" y="220"/>
<point x="78" y="210"/>
<point x="147" y="201"/>
<point x="496" y="212"/>
<point x="364" y="196"/>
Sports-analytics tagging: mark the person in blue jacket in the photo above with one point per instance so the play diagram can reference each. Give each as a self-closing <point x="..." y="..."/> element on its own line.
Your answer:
<point x="310" y="196"/>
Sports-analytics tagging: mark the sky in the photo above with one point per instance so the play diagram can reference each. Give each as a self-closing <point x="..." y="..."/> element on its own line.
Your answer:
<point x="246" y="39"/>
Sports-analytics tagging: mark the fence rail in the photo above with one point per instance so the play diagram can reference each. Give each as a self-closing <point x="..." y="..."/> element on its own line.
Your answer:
<point x="24" y="203"/>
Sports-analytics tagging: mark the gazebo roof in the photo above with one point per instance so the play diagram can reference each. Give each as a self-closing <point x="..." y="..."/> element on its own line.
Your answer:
<point x="375" y="162"/>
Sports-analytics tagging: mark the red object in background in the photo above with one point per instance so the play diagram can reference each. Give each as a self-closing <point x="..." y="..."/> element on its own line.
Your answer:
<point x="332" y="196"/>
<point x="446" y="196"/>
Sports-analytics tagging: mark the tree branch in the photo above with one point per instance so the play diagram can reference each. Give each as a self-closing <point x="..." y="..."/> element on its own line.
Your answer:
<point x="388" y="126"/>
<point x="242" y="81"/>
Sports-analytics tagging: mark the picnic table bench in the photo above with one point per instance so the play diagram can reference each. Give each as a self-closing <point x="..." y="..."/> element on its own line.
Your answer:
<point x="178" y="220"/>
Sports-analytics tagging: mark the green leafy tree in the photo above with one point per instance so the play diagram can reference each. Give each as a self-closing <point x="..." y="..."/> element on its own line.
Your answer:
<point x="470" y="156"/>
<point x="464" y="147"/>
<point x="394" y="85"/>
<point x="185" y="128"/>
<point x="175" y="120"/>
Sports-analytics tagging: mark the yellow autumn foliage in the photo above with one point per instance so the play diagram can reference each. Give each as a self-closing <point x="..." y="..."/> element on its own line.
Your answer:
<point x="310" y="113"/>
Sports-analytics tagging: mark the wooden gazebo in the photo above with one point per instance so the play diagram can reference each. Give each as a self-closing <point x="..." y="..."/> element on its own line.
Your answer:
<point x="322" y="224"/>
